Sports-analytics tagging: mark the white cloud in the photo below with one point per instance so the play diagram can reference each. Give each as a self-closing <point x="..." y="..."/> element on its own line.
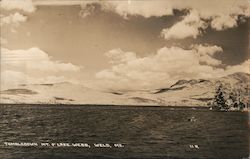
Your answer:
<point x="214" y="7"/>
<point x="149" y="8"/>
<point x="220" y="15"/>
<point x="244" y="67"/>
<point x="190" y="26"/>
<point x="117" y="56"/>
<point x="196" y="22"/>
<point x="123" y="8"/>
<point x="11" y="78"/>
<point x="34" y="66"/>
<point x="15" y="19"/>
<point x="223" y="13"/>
<point x="14" y="78"/>
<point x="34" y="59"/>
<point x="206" y="54"/>
<point x="24" y="5"/>
<point x="163" y="68"/>
<point x="223" y="22"/>
<point x="143" y="8"/>
<point x="220" y="10"/>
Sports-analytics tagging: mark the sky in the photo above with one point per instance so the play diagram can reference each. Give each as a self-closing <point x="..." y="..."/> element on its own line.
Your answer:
<point x="122" y="44"/>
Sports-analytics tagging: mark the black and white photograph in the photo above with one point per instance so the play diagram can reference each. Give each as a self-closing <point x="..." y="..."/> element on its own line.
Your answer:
<point x="124" y="79"/>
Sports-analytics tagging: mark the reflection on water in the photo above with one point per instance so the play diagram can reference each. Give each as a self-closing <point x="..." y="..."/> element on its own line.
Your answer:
<point x="146" y="132"/>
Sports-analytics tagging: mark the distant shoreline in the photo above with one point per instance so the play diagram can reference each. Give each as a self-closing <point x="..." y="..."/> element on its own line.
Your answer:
<point x="104" y="105"/>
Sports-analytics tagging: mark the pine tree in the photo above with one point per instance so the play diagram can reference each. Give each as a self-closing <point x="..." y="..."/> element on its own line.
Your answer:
<point x="219" y="99"/>
<point x="232" y="100"/>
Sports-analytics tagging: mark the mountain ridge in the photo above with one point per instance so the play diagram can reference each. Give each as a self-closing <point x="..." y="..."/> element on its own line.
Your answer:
<point x="192" y="92"/>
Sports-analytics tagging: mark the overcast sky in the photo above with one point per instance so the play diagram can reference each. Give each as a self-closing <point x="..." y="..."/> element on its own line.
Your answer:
<point x="122" y="44"/>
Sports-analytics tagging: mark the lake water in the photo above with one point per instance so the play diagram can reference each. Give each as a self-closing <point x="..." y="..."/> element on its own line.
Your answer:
<point x="140" y="132"/>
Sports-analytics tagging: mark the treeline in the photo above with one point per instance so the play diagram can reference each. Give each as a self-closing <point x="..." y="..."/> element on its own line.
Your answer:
<point x="228" y="98"/>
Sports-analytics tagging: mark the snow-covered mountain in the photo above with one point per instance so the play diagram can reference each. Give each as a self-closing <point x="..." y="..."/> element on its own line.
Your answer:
<point x="198" y="92"/>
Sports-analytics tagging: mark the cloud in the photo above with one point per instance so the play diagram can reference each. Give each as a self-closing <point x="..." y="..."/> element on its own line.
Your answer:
<point x="11" y="78"/>
<point x="206" y="53"/>
<point x="145" y="8"/>
<point x="223" y="22"/>
<point x="15" y="19"/>
<point x="163" y="68"/>
<point x="123" y="8"/>
<point x="223" y="14"/>
<point x="190" y="26"/>
<point x="34" y="59"/>
<point x="24" y="5"/>
<point x="14" y="78"/>
<point x="244" y="67"/>
<point x="149" y="8"/>
<point x="34" y="66"/>
<point x="142" y="8"/>
<point x="118" y="56"/>
<point x="195" y="23"/>
<point x="12" y="21"/>
<point x="220" y="15"/>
